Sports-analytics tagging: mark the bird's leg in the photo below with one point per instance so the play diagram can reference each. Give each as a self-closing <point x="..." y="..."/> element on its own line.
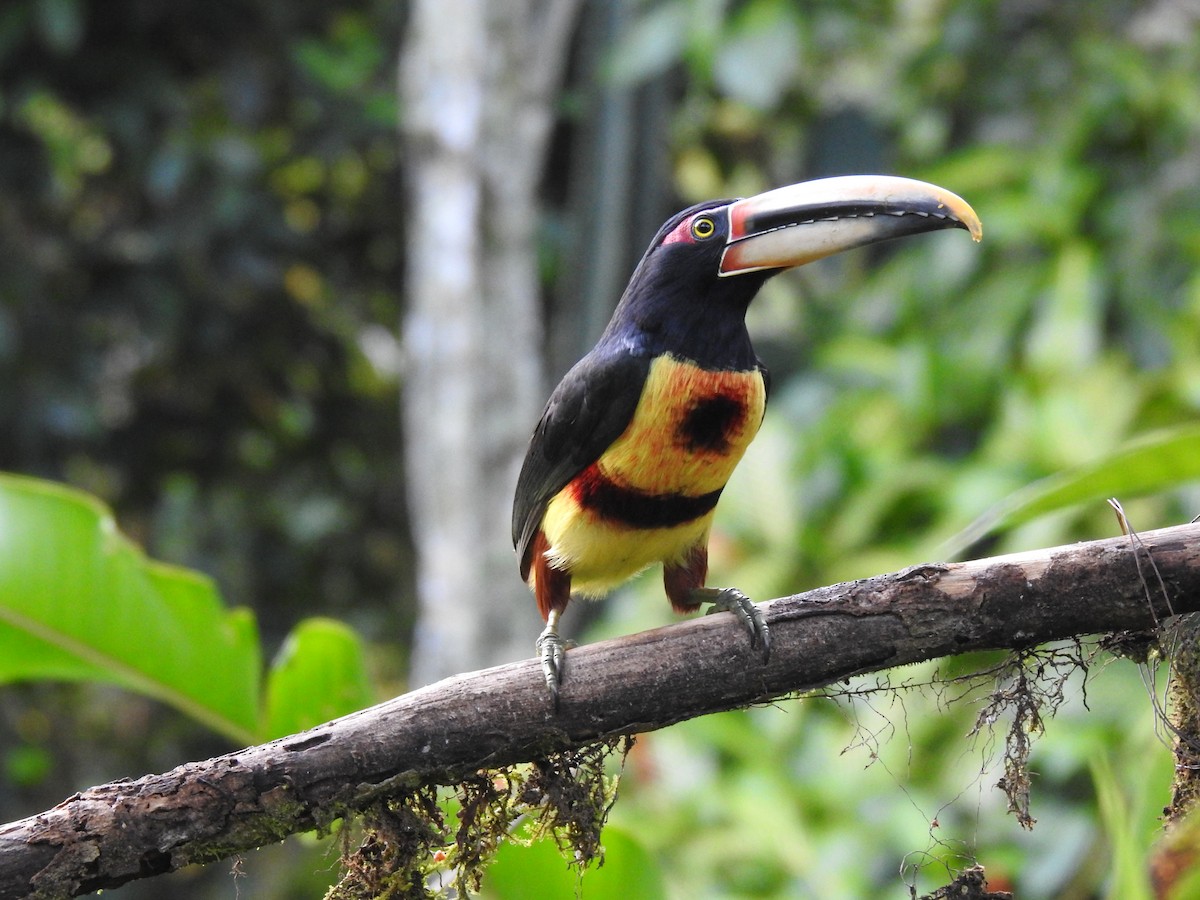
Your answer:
<point x="746" y="610"/>
<point x="684" y="583"/>
<point x="552" y="588"/>
<point x="552" y="650"/>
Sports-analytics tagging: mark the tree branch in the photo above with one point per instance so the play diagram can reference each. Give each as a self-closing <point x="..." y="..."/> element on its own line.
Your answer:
<point x="204" y="811"/>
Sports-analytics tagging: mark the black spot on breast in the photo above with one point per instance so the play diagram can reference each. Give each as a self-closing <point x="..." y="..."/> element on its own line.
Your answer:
<point x="706" y="426"/>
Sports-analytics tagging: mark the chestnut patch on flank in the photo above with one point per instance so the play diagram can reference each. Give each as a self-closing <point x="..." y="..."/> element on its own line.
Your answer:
<point x="708" y="423"/>
<point x="551" y="586"/>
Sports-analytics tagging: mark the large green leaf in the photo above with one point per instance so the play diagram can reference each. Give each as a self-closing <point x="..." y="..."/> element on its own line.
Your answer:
<point x="1154" y="462"/>
<point x="79" y="601"/>
<point x="319" y="674"/>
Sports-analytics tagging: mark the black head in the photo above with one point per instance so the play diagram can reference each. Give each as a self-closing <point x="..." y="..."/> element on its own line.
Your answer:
<point x="690" y="292"/>
<point x="678" y="302"/>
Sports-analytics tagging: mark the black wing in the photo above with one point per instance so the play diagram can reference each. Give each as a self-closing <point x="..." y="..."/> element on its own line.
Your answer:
<point x="588" y="410"/>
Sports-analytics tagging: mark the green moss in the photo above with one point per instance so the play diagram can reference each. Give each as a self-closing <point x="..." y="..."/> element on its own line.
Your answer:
<point x="1183" y="650"/>
<point x="407" y="850"/>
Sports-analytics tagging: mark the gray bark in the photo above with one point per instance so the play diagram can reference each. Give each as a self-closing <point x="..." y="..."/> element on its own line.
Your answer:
<point x="477" y="112"/>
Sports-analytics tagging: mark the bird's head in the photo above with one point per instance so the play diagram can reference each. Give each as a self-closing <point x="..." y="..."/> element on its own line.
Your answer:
<point x="709" y="261"/>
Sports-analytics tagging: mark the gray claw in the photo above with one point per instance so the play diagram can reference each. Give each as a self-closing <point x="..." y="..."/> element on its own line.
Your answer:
<point x="747" y="612"/>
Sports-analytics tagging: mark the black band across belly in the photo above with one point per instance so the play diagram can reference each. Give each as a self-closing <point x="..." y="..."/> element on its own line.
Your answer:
<point x="632" y="508"/>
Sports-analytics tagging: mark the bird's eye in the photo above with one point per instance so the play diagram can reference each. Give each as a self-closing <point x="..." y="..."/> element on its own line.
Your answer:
<point x="703" y="228"/>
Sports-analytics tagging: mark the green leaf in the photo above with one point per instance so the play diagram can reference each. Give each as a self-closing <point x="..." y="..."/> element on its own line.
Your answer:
<point x="629" y="872"/>
<point x="1154" y="462"/>
<point x="79" y="601"/>
<point x="319" y="674"/>
<point x="1129" y="880"/>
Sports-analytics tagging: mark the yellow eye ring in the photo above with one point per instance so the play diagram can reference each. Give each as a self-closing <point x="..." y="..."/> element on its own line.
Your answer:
<point x="703" y="228"/>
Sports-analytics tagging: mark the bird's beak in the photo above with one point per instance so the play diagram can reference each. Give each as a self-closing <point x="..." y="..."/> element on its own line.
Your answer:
<point x="793" y="225"/>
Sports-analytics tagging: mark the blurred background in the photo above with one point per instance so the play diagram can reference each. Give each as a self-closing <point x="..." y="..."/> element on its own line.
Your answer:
<point x="286" y="283"/>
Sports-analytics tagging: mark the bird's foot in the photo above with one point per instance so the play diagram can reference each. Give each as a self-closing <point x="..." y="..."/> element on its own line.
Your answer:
<point x="552" y="651"/>
<point x="747" y="612"/>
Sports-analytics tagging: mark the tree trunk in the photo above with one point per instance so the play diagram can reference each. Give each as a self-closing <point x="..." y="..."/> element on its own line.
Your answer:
<point x="477" y="105"/>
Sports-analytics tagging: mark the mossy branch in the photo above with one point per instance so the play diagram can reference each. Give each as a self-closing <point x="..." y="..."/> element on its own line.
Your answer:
<point x="447" y="732"/>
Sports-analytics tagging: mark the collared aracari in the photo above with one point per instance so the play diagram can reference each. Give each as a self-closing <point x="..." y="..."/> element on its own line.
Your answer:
<point x="636" y="443"/>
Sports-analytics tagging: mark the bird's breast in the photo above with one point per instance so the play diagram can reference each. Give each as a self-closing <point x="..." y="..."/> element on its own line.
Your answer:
<point x="689" y="430"/>
<point x="650" y="496"/>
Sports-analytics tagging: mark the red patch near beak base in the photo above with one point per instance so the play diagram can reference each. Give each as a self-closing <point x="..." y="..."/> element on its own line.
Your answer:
<point x="681" y="235"/>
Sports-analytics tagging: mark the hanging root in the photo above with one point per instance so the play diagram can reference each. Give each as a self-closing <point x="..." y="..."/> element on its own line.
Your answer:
<point x="407" y="850"/>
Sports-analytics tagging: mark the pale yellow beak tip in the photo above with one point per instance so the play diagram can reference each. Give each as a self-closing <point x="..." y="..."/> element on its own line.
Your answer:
<point x="962" y="211"/>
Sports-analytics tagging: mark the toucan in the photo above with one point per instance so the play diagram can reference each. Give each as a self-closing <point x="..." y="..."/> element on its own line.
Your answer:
<point x="625" y="467"/>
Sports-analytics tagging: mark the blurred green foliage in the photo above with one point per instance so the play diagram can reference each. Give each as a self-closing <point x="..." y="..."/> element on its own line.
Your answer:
<point x="917" y="389"/>
<point x="201" y="254"/>
<point x="199" y="222"/>
<point x="198" y="210"/>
